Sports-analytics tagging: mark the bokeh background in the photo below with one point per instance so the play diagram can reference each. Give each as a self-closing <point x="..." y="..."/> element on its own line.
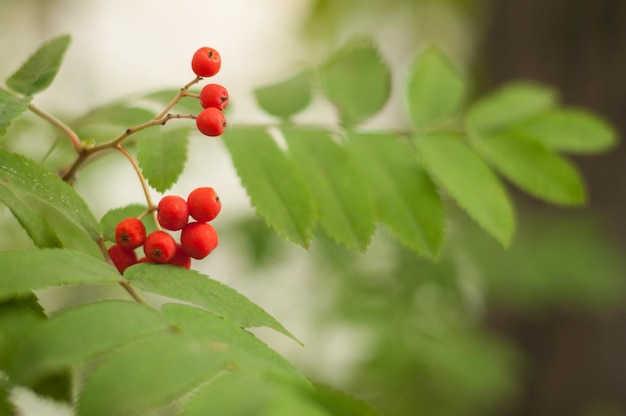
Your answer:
<point x="538" y="329"/>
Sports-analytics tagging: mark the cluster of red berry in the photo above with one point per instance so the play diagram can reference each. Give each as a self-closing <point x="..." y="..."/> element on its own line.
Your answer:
<point x="197" y="238"/>
<point x="211" y="121"/>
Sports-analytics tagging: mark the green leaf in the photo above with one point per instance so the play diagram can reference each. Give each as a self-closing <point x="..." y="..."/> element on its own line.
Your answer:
<point x="69" y="338"/>
<point x="344" y="206"/>
<point x="285" y="98"/>
<point x="405" y="197"/>
<point x="22" y="271"/>
<point x="18" y="317"/>
<point x="189" y="105"/>
<point x="35" y="225"/>
<point x="470" y="181"/>
<point x="510" y="104"/>
<point x="6" y="405"/>
<point x="340" y="403"/>
<point x="435" y="89"/>
<point x="147" y="375"/>
<point x="198" y="289"/>
<point x="357" y="81"/>
<point x="569" y="130"/>
<point x="11" y="107"/>
<point x="276" y="187"/>
<point x="22" y="174"/>
<point x="38" y="72"/>
<point x="109" y="221"/>
<point x="105" y="122"/>
<point x="162" y="157"/>
<point x="207" y="326"/>
<point x="533" y="168"/>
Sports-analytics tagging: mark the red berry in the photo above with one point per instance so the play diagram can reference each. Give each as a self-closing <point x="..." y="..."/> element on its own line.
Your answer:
<point x="130" y="233"/>
<point x="198" y="239"/>
<point x="214" y="95"/>
<point x="181" y="258"/>
<point x="159" y="247"/>
<point x="172" y="212"/>
<point x="206" y="62"/>
<point x="211" y="121"/>
<point x="122" y="258"/>
<point x="204" y="204"/>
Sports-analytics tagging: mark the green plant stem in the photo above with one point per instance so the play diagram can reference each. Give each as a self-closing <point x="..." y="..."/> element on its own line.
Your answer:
<point x="71" y="134"/>
<point x="181" y="94"/>
<point x="131" y="291"/>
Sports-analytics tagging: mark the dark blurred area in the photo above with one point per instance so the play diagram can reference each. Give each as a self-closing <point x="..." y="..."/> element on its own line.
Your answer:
<point x="578" y="359"/>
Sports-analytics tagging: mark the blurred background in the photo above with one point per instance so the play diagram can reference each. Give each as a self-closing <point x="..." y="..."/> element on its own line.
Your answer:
<point x="537" y="329"/>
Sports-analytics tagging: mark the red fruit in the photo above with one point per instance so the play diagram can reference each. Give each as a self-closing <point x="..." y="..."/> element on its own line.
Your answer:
<point x="181" y="258"/>
<point x="172" y="212"/>
<point x="122" y="258"/>
<point x="159" y="247"/>
<point x="211" y="121"/>
<point x="206" y="62"/>
<point x="204" y="204"/>
<point x="214" y="95"/>
<point x="130" y="233"/>
<point x="198" y="239"/>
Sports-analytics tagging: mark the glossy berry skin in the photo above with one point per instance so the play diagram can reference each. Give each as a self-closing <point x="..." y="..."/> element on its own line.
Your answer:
<point x="198" y="239"/>
<point x="130" y="233"/>
<point x="204" y="204"/>
<point x="122" y="258"/>
<point x="214" y="95"/>
<point x="181" y="258"/>
<point x="206" y="62"/>
<point x="173" y="212"/>
<point x="211" y="122"/>
<point x="159" y="247"/>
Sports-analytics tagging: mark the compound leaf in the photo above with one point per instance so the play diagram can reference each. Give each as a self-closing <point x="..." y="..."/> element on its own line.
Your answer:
<point x="162" y="156"/>
<point x="470" y="181"/>
<point x="286" y="98"/>
<point x="35" y="225"/>
<point x="344" y="205"/>
<point x="71" y="337"/>
<point x="508" y="105"/>
<point x="198" y="289"/>
<point x="357" y="81"/>
<point x="276" y="187"/>
<point x="435" y="89"/>
<point x="20" y="173"/>
<point x="404" y="196"/>
<point x="11" y="107"/>
<point x="569" y="130"/>
<point x="533" y="168"/>
<point x="22" y="271"/>
<point x="38" y="72"/>
<point x="147" y="375"/>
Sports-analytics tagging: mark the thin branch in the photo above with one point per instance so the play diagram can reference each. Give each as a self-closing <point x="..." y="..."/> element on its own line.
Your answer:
<point x="131" y="291"/>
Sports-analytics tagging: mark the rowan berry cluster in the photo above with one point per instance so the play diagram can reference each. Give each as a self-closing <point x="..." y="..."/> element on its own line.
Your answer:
<point x="211" y="121"/>
<point x="191" y="217"/>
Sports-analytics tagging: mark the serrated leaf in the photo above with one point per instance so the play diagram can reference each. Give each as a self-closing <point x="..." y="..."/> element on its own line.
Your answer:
<point x="11" y="107"/>
<point x="509" y="105"/>
<point x="533" y="168"/>
<point x="198" y="289"/>
<point x="405" y="197"/>
<point x="344" y="206"/>
<point x="276" y="187"/>
<point x="286" y="98"/>
<point x="569" y="130"/>
<point x="470" y="181"/>
<point x="207" y="326"/>
<point x="109" y="221"/>
<point x="162" y="157"/>
<point x="69" y="338"/>
<point x="33" y="223"/>
<point x="147" y="375"/>
<point x="18" y="317"/>
<point x="340" y="403"/>
<point x="22" y="271"/>
<point x="22" y="174"/>
<point x="357" y="81"/>
<point x="435" y="89"/>
<point x="38" y="72"/>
